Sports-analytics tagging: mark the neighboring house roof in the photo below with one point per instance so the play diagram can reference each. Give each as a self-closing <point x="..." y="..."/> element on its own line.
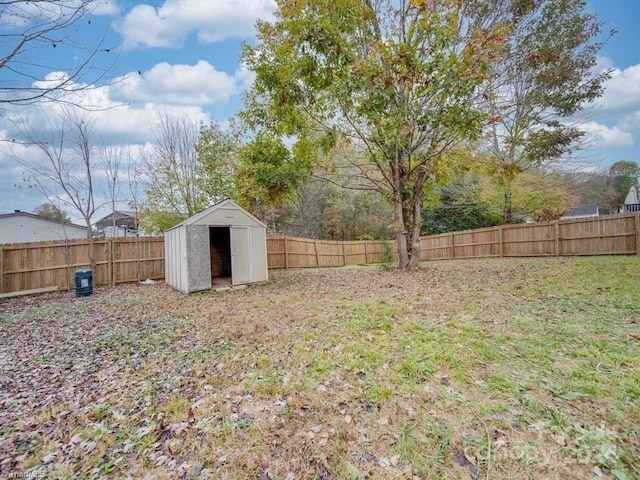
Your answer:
<point x="123" y="217"/>
<point x="19" y="213"/>
<point x="20" y="227"/>
<point x="581" y="211"/>
<point x="632" y="197"/>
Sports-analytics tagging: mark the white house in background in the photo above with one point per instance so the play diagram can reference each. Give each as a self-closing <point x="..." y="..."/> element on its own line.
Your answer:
<point x="586" y="210"/>
<point x="126" y="224"/>
<point x="23" y="227"/>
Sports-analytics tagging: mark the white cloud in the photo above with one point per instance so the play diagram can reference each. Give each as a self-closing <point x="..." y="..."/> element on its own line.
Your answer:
<point x="200" y="84"/>
<point x="177" y="90"/>
<point x="106" y="7"/>
<point x="244" y="77"/>
<point x="607" y="137"/>
<point x="126" y="110"/>
<point x="602" y="64"/>
<point x="631" y="123"/>
<point x="169" y="24"/>
<point x="621" y="94"/>
<point x="616" y="115"/>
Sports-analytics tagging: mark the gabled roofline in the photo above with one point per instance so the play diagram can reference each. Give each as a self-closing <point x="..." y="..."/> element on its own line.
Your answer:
<point x="40" y="217"/>
<point x="194" y="218"/>
<point x="128" y="213"/>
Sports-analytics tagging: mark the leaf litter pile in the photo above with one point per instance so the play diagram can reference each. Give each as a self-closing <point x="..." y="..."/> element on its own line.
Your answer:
<point x="463" y="369"/>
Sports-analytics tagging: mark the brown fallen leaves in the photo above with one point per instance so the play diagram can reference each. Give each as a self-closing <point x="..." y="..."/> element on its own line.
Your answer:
<point x="326" y="374"/>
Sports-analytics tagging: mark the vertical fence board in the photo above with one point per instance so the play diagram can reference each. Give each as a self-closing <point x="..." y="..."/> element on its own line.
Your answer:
<point x="452" y="240"/>
<point x="1" y="269"/>
<point x="637" y="227"/>
<point x="286" y="254"/>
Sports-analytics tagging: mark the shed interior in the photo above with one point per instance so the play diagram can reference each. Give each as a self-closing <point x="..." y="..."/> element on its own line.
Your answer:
<point x="220" y="247"/>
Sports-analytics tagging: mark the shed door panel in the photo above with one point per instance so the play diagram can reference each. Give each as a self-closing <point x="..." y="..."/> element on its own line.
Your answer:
<point x="198" y="258"/>
<point x="240" y="255"/>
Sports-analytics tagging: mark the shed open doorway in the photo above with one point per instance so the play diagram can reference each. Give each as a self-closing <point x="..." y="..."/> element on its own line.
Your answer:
<point x="220" y="248"/>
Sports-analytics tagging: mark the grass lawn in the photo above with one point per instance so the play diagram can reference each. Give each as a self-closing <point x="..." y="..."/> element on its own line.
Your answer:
<point x="493" y="368"/>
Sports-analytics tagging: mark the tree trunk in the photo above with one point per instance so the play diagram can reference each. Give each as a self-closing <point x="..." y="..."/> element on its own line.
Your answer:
<point x="508" y="204"/>
<point x="408" y="223"/>
<point x="406" y="202"/>
<point x="414" y="229"/>
<point x="403" y="251"/>
<point x="91" y="253"/>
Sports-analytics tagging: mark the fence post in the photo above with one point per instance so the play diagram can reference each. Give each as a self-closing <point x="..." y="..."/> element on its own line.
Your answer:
<point x="286" y="255"/>
<point x="366" y="253"/>
<point x="138" y="266"/>
<point x="500" y="240"/>
<point x="110" y="279"/>
<point x="344" y="254"/>
<point x="556" y="240"/>
<point x="453" y="246"/>
<point x="600" y="237"/>
<point x="315" y="246"/>
<point x="67" y="255"/>
<point x="637" y="233"/>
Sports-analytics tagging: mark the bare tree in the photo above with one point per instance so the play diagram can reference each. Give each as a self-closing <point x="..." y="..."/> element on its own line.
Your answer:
<point x="133" y="182"/>
<point x="174" y="187"/>
<point x="110" y="161"/>
<point x="29" y="31"/>
<point x="64" y="169"/>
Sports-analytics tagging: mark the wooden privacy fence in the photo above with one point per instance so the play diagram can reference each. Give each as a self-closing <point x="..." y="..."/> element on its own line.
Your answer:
<point x="29" y="266"/>
<point x="608" y="235"/>
<point x="292" y="252"/>
<point x="26" y="266"/>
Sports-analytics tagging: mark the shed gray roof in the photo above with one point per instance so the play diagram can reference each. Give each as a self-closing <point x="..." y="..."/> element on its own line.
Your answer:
<point x="226" y="204"/>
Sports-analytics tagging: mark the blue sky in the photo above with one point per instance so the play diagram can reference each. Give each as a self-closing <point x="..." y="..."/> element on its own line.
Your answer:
<point x="619" y="108"/>
<point x="181" y="57"/>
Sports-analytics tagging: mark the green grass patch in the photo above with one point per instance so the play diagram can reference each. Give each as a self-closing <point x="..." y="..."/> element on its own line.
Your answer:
<point x="492" y="368"/>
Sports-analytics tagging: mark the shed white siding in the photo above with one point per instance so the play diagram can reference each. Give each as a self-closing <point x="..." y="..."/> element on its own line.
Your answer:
<point x="21" y="227"/>
<point x="188" y="257"/>
<point x="259" y="254"/>
<point x="175" y="255"/>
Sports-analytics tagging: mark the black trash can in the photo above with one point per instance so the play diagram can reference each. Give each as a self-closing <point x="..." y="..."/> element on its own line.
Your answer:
<point x="84" y="283"/>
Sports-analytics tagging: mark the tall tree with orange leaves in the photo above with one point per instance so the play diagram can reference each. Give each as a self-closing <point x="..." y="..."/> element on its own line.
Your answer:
<point x="397" y="81"/>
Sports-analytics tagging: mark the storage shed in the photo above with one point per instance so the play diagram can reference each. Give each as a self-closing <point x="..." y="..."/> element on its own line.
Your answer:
<point x="223" y="241"/>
